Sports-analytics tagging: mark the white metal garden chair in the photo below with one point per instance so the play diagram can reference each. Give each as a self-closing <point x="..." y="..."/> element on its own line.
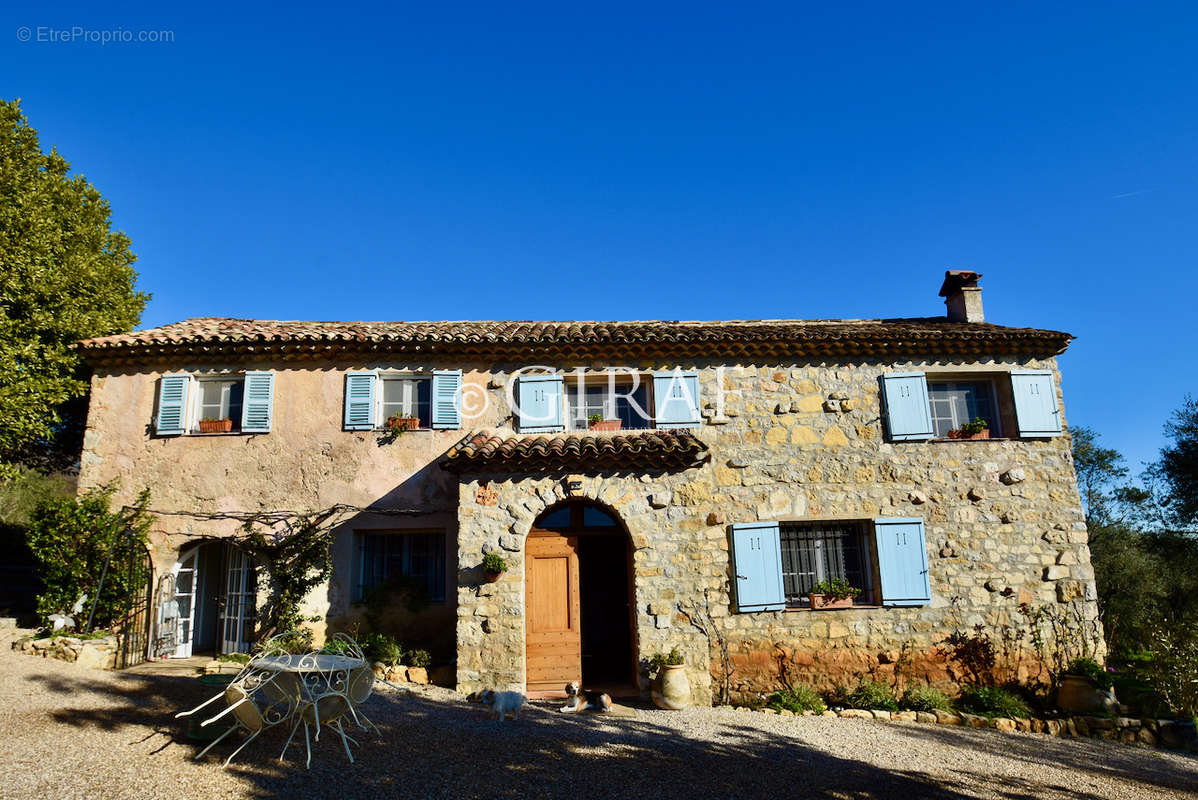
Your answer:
<point x="254" y="711"/>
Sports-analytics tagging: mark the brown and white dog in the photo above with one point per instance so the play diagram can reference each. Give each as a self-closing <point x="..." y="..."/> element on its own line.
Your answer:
<point x="578" y="701"/>
<point x="503" y="703"/>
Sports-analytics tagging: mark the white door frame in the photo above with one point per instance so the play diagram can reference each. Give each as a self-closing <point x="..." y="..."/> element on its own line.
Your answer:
<point x="186" y="565"/>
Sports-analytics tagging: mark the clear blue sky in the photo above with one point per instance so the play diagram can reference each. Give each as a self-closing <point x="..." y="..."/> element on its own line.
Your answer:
<point x="630" y="161"/>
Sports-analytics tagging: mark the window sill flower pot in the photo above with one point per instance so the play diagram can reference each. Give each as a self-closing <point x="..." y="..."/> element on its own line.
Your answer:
<point x="400" y="424"/>
<point x="824" y="601"/>
<point x="606" y="425"/>
<point x="964" y="434"/>
<point x="671" y="688"/>
<point x="216" y="426"/>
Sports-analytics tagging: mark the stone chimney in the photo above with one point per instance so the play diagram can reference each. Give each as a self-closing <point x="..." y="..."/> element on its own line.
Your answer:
<point x="962" y="295"/>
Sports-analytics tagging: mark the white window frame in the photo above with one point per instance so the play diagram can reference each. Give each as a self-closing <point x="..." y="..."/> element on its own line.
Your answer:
<point x="195" y="411"/>
<point x="601" y="379"/>
<point x="939" y="380"/>
<point x="381" y="378"/>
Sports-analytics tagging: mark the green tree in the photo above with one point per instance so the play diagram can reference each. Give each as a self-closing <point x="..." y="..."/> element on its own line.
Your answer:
<point x="1177" y="468"/>
<point x="1098" y="469"/>
<point x="65" y="275"/>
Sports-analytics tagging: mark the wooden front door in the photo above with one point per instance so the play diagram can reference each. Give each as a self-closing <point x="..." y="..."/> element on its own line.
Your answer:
<point x="552" y="606"/>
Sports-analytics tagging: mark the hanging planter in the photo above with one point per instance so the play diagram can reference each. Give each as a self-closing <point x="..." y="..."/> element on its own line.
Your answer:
<point x="494" y="565"/>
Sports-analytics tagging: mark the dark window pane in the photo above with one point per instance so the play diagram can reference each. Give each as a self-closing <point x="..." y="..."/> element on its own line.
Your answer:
<point x="817" y="552"/>
<point x="419" y="556"/>
<point x="555" y="519"/>
<point x="594" y="516"/>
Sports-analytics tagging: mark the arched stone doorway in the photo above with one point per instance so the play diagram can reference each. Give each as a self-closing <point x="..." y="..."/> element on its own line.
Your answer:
<point x="579" y="609"/>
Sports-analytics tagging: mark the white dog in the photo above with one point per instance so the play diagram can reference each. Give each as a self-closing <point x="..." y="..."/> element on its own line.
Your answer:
<point x="503" y="703"/>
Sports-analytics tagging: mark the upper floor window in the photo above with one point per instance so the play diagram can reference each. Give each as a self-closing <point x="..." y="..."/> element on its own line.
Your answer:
<point x="374" y="396"/>
<point x="553" y="402"/>
<point x="625" y="402"/>
<point x="955" y="404"/>
<point x="406" y="397"/>
<point x="1022" y="403"/>
<point x="219" y="405"/>
<point x="222" y="403"/>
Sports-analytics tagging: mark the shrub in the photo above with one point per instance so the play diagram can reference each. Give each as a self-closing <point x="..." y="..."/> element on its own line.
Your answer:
<point x="419" y="658"/>
<point x="72" y="538"/>
<point x="870" y="695"/>
<point x="1173" y="669"/>
<point x="991" y="701"/>
<point x="380" y="647"/>
<point x="837" y="589"/>
<point x="336" y="647"/>
<point x="925" y="698"/>
<point x="494" y="563"/>
<point x="798" y="698"/>
<point x="660" y="660"/>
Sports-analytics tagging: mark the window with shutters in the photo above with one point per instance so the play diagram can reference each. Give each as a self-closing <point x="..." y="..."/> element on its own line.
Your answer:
<point x="819" y="551"/>
<point x="218" y="399"/>
<point x="402" y="556"/>
<point x="627" y="400"/>
<point x="405" y="397"/>
<point x="956" y="403"/>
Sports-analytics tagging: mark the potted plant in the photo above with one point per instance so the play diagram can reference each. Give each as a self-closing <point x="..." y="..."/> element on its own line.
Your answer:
<point x="978" y="429"/>
<point x="214" y="425"/>
<point x="494" y="565"/>
<point x="398" y="423"/>
<point x="671" y="688"/>
<point x="1086" y="687"/>
<point x="836" y="593"/>
<point x="596" y="422"/>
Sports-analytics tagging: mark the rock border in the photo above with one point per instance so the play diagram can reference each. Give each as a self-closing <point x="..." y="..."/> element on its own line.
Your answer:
<point x="1164" y="733"/>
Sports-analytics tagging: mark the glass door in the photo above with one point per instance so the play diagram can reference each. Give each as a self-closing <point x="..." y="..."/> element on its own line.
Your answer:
<point x="237" y="629"/>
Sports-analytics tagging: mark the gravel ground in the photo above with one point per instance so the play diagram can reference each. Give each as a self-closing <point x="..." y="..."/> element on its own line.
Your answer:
<point x="69" y="732"/>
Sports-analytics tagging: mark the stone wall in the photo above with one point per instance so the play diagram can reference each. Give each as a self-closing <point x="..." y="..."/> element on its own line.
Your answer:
<point x="797" y="441"/>
<point x="1006" y="539"/>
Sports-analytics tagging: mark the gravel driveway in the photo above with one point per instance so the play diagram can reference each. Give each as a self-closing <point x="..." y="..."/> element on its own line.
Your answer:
<point x="69" y="732"/>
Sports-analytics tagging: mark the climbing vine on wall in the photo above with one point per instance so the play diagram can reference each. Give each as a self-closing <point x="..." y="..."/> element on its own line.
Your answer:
<point x="294" y="558"/>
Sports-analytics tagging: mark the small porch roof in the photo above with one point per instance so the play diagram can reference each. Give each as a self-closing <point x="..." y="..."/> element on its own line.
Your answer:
<point x="655" y="450"/>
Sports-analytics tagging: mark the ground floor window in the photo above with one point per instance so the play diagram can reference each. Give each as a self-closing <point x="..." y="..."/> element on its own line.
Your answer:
<point x="818" y="551"/>
<point x="419" y="556"/>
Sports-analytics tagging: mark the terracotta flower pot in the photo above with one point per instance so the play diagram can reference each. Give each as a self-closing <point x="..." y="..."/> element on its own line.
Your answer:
<point x="491" y="576"/>
<point x="403" y="423"/>
<point x="963" y="434"/>
<point x="672" y="689"/>
<point x="216" y="425"/>
<point x="606" y="425"/>
<point x="823" y="601"/>
<point x="1078" y="694"/>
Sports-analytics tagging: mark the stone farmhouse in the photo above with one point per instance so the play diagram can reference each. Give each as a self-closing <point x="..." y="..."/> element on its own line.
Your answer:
<point x="753" y="460"/>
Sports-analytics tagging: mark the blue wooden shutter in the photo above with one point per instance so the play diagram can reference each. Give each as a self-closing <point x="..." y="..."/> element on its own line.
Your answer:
<point x="676" y="399"/>
<point x="908" y="415"/>
<point x="258" y="402"/>
<point x="540" y="401"/>
<point x="1036" y="407"/>
<point x="902" y="561"/>
<point x="173" y="391"/>
<point x="447" y="399"/>
<point x="359" y="400"/>
<point x="757" y="564"/>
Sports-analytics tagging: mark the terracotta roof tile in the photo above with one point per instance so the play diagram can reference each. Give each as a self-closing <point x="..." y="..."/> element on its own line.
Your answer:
<point x="219" y="338"/>
<point x="657" y="450"/>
